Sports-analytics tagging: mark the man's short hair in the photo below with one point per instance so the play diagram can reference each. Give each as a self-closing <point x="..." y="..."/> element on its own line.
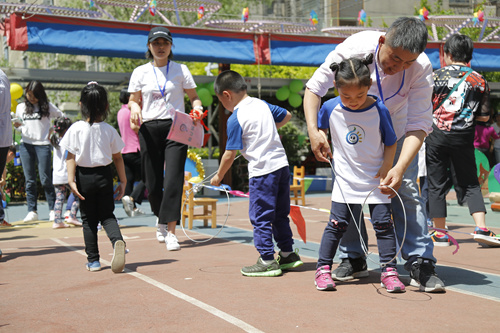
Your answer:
<point x="460" y="47"/>
<point x="408" y="33"/>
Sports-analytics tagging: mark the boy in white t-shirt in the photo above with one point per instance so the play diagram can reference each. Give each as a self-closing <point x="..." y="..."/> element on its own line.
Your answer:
<point x="252" y="129"/>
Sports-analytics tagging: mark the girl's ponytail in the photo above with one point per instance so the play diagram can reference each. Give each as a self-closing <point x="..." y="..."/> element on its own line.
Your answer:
<point x="368" y="59"/>
<point x="334" y="67"/>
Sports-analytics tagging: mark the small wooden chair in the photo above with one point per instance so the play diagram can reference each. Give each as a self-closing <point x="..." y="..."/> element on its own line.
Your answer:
<point x="189" y="205"/>
<point x="297" y="189"/>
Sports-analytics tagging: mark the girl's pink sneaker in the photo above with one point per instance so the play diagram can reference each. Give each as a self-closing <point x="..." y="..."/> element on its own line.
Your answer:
<point x="390" y="280"/>
<point x="323" y="279"/>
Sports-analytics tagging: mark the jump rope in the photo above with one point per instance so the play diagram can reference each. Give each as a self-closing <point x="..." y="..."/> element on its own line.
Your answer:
<point x="197" y="186"/>
<point x="358" y="227"/>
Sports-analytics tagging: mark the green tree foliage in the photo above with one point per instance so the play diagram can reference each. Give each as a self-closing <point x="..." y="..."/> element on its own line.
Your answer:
<point x="293" y="140"/>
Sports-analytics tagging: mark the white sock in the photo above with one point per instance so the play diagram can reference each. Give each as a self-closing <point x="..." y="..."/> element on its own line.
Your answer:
<point x="285" y="254"/>
<point x="267" y="262"/>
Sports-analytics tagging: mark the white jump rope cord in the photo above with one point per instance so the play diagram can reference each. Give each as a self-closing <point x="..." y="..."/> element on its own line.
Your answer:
<point x="195" y="189"/>
<point x="363" y="244"/>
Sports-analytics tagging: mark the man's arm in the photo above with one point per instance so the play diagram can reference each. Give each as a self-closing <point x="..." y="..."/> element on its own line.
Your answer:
<point x="411" y="146"/>
<point x="418" y="125"/>
<point x="319" y="144"/>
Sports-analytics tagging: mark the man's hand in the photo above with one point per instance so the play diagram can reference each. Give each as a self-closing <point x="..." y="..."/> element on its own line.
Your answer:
<point x="320" y="146"/>
<point x="393" y="179"/>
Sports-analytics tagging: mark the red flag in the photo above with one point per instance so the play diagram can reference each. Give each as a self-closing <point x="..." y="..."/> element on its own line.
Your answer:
<point x="298" y="219"/>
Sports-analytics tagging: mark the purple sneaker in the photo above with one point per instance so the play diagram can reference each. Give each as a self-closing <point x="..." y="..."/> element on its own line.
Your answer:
<point x="323" y="280"/>
<point x="390" y="280"/>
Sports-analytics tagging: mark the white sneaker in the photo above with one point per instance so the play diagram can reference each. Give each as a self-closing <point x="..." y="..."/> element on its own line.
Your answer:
<point x="60" y="225"/>
<point x="161" y="232"/>
<point x="52" y="216"/>
<point x="118" y="261"/>
<point x="128" y="204"/>
<point x="32" y="216"/>
<point x="137" y="212"/>
<point x="172" y="242"/>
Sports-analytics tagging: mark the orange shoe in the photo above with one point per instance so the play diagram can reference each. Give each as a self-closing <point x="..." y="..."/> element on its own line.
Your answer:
<point x="5" y="224"/>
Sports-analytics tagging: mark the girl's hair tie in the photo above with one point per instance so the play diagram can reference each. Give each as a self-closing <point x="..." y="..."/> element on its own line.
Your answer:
<point x="92" y="82"/>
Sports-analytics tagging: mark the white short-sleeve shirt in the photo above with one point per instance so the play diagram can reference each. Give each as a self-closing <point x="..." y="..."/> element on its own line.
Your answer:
<point x="252" y="130"/>
<point x="155" y="82"/>
<point x="358" y="140"/>
<point x="94" y="145"/>
<point x="410" y="106"/>
<point x="59" y="169"/>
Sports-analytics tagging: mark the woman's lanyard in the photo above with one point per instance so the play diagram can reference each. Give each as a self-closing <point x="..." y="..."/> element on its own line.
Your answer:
<point x="162" y="91"/>
<point x="380" y="85"/>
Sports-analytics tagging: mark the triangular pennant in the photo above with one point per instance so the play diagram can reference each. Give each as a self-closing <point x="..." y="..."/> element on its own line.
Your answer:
<point x="299" y="221"/>
<point x="307" y="183"/>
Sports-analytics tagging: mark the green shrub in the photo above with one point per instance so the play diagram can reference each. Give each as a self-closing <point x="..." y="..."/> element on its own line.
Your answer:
<point x="295" y="144"/>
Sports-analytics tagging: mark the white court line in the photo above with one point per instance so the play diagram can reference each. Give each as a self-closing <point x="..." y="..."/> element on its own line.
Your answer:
<point x="471" y="293"/>
<point x="210" y="309"/>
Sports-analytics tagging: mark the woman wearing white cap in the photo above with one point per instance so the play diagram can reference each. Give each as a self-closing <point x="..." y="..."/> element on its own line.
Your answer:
<point x="156" y="89"/>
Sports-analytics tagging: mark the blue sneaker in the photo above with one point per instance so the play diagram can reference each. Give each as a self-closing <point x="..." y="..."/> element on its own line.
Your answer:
<point x="93" y="266"/>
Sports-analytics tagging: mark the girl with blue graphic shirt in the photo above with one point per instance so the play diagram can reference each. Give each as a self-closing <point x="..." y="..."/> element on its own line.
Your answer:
<point x="253" y="129"/>
<point x="364" y="145"/>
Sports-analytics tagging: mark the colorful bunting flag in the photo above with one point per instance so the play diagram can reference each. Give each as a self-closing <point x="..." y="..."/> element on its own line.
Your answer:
<point x="201" y="12"/>
<point x="362" y="17"/>
<point x="478" y="17"/>
<point x="424" y="14"/>
<point x="152" y="7"/>
<point x="244" y="14"/>
<point x="313" y="17"/>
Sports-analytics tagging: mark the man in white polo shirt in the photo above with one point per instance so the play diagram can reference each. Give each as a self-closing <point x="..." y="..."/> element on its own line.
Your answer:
<point x="402" y="78"/>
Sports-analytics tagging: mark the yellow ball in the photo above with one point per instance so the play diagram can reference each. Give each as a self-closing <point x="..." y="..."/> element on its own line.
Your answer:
<point x="16" y="91"/>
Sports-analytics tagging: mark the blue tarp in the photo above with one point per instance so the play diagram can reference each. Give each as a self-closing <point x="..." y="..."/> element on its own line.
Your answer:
<point x="56" y="34"/>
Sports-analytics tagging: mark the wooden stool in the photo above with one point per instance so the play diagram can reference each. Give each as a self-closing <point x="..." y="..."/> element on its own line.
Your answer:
<point x="189" y="205"/>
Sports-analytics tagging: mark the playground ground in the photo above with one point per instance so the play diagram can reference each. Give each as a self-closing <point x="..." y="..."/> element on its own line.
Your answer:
<point x="44" y="286"/>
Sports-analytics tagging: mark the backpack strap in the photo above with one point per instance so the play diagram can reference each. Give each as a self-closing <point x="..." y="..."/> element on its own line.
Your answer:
<point x="454" y="88"/>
